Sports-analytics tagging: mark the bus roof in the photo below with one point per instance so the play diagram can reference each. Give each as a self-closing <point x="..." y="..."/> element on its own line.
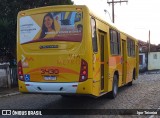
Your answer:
<point x="70" y="7"/>
<point x="50" y="8"/>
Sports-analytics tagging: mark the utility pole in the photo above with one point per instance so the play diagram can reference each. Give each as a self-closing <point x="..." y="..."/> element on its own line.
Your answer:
<point x="113" y="11"/>
<point x="112" y="2"/>
<point x="149" y="47"/>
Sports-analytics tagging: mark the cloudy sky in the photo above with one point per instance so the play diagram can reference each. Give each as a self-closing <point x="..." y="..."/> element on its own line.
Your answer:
<point x="136" y="17"/>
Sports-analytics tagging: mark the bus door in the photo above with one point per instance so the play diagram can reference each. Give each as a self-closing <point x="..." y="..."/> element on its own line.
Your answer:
<point x="103" y="61"/>
<point x="124" y="61"/>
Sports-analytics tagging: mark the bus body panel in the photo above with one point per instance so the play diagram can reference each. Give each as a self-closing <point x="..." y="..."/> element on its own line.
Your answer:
<point x="59" y="64"/>
<point x="60" y="61"/>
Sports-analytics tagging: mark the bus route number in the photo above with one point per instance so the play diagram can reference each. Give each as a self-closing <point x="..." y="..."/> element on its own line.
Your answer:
<point x="50" y="71"/>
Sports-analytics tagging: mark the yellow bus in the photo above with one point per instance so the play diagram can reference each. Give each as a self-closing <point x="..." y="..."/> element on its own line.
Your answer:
<point x="68" y="50"/>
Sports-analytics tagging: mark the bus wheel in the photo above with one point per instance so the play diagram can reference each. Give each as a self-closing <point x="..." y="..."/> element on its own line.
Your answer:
<point x="114" y="91"/>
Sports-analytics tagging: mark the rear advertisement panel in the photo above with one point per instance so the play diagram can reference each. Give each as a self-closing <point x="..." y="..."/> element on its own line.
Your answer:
<point x="52" y="26"/>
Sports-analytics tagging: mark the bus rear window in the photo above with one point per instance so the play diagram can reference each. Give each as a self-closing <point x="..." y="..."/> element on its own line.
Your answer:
<point x="52" y="26"/>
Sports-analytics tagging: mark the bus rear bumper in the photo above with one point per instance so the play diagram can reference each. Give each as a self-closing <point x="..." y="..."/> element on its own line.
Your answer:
<point x="60" y="88"/>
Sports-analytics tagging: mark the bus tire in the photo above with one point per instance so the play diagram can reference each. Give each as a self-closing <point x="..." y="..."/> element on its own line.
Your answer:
<point x="114" y="91"/>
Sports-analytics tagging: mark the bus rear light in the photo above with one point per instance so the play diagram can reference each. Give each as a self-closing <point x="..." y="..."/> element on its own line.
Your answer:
<point x="84" y="67"/>
<point x="83" y="78"/>
<point x="21" y="77"/>
<point x="20" y="71"/>
<point x="83" y="71"/>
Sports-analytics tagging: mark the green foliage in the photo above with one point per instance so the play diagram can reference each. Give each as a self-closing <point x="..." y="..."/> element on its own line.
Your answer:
<point x="8" y="19"/>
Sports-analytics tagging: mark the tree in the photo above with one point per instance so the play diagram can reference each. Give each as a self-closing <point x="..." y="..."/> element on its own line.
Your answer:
<point x="8" y="20"/>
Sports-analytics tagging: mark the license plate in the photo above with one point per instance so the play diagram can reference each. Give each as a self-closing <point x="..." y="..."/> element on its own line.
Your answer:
<point x="50" y="78"/>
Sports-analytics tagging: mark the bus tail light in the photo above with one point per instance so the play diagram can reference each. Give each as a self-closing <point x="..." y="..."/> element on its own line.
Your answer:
<point x="20" y="71"/>
<point x="83" y="71"/>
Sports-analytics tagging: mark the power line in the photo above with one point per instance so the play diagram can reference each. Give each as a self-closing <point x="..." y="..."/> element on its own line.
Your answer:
<point x="117" y="1"/>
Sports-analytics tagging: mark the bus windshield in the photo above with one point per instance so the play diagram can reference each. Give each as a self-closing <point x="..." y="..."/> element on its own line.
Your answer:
<point x="52" y="26"/>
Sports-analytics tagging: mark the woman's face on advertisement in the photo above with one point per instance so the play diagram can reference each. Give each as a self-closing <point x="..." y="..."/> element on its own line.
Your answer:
<point x="48" y="21"/>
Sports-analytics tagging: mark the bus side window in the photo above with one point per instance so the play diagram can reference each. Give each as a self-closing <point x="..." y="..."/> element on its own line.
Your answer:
<point x="115" y="42"/>
<point x="94" y="35"/>
<point x="131" y="47"/>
